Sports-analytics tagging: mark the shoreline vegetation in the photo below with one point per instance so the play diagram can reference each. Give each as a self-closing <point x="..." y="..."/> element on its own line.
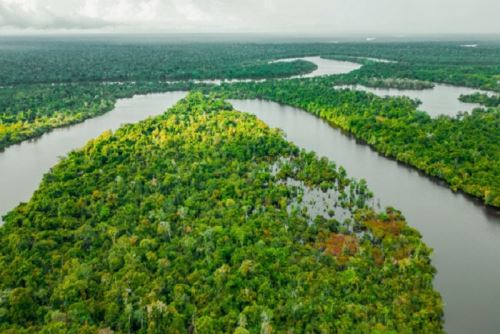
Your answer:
<point x="461" y="150"/>
<point x="450" y="149"/>
<point x="32" y="103"/>
<point x="482" y="99"/>
<point x="29" y="111"/>
<point x="195" y="220"/>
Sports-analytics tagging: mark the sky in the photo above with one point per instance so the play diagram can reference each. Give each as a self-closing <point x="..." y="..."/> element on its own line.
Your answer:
<point x="394" y="17"/>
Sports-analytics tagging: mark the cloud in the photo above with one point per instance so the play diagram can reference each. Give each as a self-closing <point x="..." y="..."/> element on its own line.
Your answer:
<point x="190" y="10"/>
<point x="76" y="14"/>
<point x="121" y="11"/>
<point x="289" y="16"/>
<point x="30" y="14"/>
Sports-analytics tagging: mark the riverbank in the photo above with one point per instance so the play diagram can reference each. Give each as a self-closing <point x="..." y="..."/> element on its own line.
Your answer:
<point x="463" y="233"/>
<point x="461" y="150"/>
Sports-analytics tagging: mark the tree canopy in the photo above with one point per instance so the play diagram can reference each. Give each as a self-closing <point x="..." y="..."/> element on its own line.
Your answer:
<point x="461" y="150"/>
<point x="193" y="222"/>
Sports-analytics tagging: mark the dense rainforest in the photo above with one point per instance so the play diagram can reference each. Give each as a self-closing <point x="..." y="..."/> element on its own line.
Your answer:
<point x="194" y="222"/>
<point x="50" y="60"/>
<point x="52" y="83"/>
<point x="33" y="99"/>
<point x="463" y="150"/>
<point x="29" y="111"/>
<point x="443" y="62"/>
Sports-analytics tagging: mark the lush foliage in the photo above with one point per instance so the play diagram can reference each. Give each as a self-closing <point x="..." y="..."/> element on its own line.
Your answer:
<point x="484" y="99"/>
<point x="396" y="83"/>
<point x="29" y="111"/>
<point x="141" y="66"/>
<point x="445" y="62"/>
<point x="48" y="61"/>
<point x="25" y="60"/>
<point x="463" y="151"/>
<point x="96" y="73"/>
<point x="188" y="223"/>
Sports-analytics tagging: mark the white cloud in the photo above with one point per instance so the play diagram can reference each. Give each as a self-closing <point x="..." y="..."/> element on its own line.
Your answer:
<point x="76" y="14"/>
<point x="40" y="15"/>
<point x="120" y="12"/>
<point x="292" y="16"/>
<point x="189" y="10"/>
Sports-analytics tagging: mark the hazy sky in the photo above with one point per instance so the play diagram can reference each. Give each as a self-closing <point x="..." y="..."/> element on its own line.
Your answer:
<point x="256" y="16"/>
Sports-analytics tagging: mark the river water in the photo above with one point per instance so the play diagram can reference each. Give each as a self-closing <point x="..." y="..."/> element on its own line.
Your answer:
<point x="325" y="66"/>
<point x="440" y="100"/>
<point x="464" y="234"/>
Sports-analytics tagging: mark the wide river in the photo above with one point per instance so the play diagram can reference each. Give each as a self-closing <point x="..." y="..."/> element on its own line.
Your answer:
<point x="464" y="234"/>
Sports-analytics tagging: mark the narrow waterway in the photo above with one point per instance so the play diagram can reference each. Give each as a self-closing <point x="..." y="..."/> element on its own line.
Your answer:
<point x="464" y="234"/>
<point x="440" y="100"/>
<point x="22" y="166"/>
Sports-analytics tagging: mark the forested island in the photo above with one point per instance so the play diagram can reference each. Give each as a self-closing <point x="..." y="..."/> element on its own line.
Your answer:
<point x="188" y="222"/>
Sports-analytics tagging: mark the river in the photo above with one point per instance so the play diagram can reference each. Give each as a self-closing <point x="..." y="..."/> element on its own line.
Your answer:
<point x="325" y="66"/>
<point x="464" y="234"/>
<point x="440" y="100"/>
<point x="22" y="166"/>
